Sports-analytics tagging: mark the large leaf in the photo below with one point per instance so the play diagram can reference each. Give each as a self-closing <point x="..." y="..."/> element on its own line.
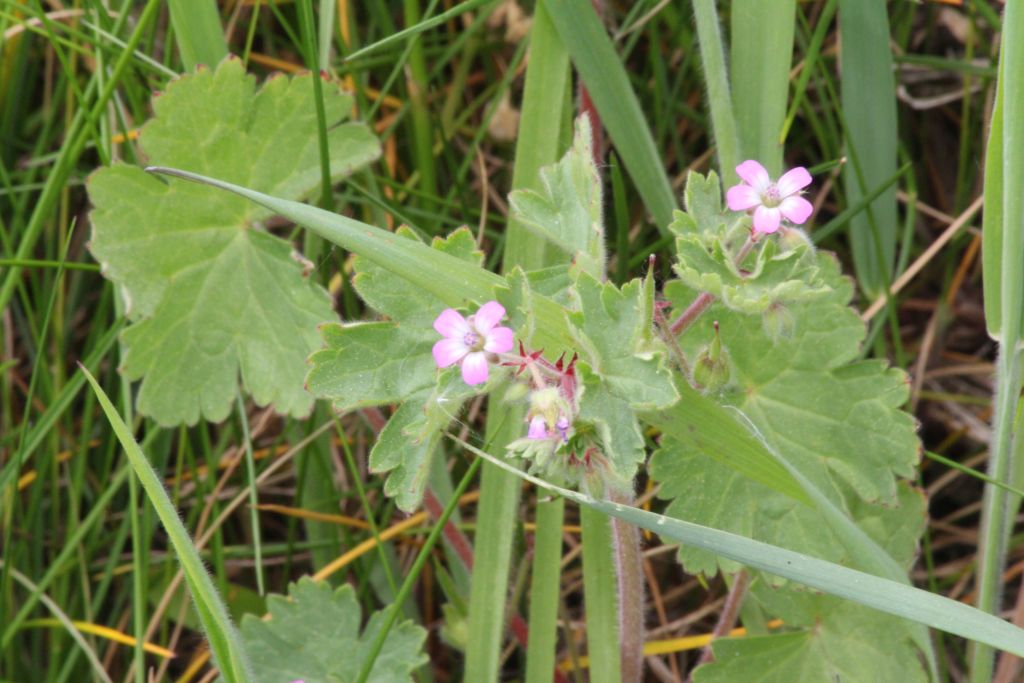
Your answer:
<point x="212" y="294"/>
<point x="849" y="643"/>
<point x="828" y="638"/>
<point x="313" y="636"/>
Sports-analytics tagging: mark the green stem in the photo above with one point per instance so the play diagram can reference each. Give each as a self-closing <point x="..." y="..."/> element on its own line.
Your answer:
<point x="547" y="79"/>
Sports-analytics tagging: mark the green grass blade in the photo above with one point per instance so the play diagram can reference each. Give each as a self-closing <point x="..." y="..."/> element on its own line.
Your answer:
<point x="600" y="595"/>
<point x="605" y="76"/>
<point x="418" y="28"/>
<point x="544" y="591"/>
<point x="761" y="44"/>
<point x="998" y="513"/>
<point x="872" y="591"/>
<point x="225" y="642"/>
<point x="992" y="216"/>
<point x="869" y="115"/>
<point x="198" y="32"/>
<point x="716" y="78"/>
<point x="539" y="144"/>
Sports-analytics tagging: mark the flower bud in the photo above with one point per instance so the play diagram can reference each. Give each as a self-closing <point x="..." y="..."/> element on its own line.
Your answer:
<point x="711" y="371"/>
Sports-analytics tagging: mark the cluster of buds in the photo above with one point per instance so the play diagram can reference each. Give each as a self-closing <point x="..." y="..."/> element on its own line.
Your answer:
<point x="477" y="341"/>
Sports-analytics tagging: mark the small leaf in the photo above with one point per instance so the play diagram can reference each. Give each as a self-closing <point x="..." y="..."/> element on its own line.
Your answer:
<point x="370" y="364"/>
<point x="212" y="294"/>
<point x="568" y="209"/>
<point x="613" y="329"/>
<point x="313" y="636"/>
<point x="616" y="425"/>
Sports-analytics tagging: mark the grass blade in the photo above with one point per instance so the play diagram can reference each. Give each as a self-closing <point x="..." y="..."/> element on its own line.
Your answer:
<point x="225" y="642"/>
<point x="602" y="71"/>
<point x="872" y="591"/>
<point x="198" y="32"/>
<point x="1005" y="146"/>
<point x="869" y="115"/>
<point x="761" y="44"/>
<point x="716" y="79"/>
<point x="539" y="144"/>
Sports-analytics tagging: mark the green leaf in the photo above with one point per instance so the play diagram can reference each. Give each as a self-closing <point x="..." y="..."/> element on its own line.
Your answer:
<point x="212" y="294"/>
<point x="772" y="279"/>
<point x="370" y="364"/>
<point x="568" y="210"/>
<point x="378" y="363"/>
<point x="313" y="636"/>
<point x="614" y="333"/>
<point x="849" y="643"/>
<point x="615" y="422"/>
<point x="835" y="418"/>
<point x="703" y="199"/>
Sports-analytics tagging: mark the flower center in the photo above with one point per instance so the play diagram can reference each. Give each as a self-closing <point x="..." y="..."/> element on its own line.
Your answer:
<point x="771" y="196"/>
<point x="472" y="340"/>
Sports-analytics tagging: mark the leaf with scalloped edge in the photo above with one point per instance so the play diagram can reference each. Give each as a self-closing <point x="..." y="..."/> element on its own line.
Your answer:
<point x="390" y="361"/>
<point x="568" y="209"/>
<point x="313" y="636"/>
<point x="213" y="296"/>
<point x="828" y="638"/>
<point x="613" y="330"/>
<point x="836" y="418"/>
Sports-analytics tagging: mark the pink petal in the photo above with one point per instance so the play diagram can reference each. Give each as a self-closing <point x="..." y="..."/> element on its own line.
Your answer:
<point x="793" y="181"/>
<point x="754" y="175"/>
<point x="796" y="209"/>
<point x="537" y="430"/>
<point x="766" y="220"/>
<point x="474" y="368"/>
<point x="451" y="324"/>
<point x="742" y="197"/>
<point x="499" y="340"/>
<point x="489" y="315"/>
<point x="449" y="352"/>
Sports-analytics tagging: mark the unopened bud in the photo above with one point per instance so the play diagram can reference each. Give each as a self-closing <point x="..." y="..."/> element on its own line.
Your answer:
<point x="711" y="371"/>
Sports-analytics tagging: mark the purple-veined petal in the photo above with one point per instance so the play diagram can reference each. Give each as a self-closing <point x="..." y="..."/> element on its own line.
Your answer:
<point x="754" y="175"/>
<point x="451" y="324"/>
<point x="767" y="220"/>
<point x="537" y="430"/>
<point x="489" y="315"/>
<point x="742" y="197"/>
<point x="793" y="180"/>
<point x="796" y="209"/>
<point x="449" y="352"/>
<point x="499" y="340"/>
<point x="474" y="368"/>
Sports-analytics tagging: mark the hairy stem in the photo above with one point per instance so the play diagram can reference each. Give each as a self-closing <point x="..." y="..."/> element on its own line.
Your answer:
<point x="629" y="578"/>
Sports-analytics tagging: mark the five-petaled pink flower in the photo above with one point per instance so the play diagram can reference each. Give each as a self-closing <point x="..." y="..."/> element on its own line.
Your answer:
<point x="468" y="340"/>
<point x="771" y="201"/>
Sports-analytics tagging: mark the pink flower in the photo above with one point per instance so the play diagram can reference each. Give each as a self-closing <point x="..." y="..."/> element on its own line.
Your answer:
<point x="538" y="428"/>
<point x="771" y="201"/>
<point x="468" y="340"/>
